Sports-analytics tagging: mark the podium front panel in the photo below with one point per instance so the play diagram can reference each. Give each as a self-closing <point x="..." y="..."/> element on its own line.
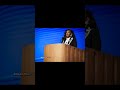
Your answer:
<point x="76" y="55"/>
<point x="109" y="70"/>
<point x="99" y="68"/>
<point x="81" y="56"/>
<point x="89" y="67"/>
<point x="117" y="70"/>
<point x="28" y="66"/>
<point x="71" y="54"/>
<point x="62" y="53"/>
<point x="55" y="53"/>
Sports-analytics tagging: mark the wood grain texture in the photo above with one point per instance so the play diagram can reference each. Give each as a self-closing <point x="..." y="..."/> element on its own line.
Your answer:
<point x="28" y="66"/>
<point x="109" y="69"/>
<point x="99" y="68"/>
<point x="116" y="70"/>
<point x="62" y="53"/>
<point x="89" y="67"/>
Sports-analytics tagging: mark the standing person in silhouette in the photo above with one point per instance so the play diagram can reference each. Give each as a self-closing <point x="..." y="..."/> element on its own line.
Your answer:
<point x="92" y="37"/>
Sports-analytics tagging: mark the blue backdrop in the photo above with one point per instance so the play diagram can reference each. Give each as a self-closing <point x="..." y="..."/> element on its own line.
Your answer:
<point x="16" y="30"/>
<point x="44" y="36"/>
<point x="108" y="20"/>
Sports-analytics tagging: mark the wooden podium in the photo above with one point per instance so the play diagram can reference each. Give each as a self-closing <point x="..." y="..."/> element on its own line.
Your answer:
<point x="62" y="53"/>
<point x="28" y="65"/>
<point x="100" y="68"/>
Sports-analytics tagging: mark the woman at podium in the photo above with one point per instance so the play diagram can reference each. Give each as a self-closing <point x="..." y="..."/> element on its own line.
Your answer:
<point x="69" y="38"/>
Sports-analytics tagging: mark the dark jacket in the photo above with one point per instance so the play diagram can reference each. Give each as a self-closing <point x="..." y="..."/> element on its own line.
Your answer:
<point x="93" y="40"/>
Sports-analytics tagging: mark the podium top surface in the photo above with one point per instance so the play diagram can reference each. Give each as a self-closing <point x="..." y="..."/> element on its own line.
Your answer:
<point x="60" y="44"/>
<point x="55" y="44"/>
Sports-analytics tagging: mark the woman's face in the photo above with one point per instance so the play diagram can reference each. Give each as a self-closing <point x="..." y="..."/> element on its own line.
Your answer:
<point x="68" y="33"/>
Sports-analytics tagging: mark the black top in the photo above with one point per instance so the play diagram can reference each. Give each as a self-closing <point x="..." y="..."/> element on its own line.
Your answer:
<point x="93" y="40"/>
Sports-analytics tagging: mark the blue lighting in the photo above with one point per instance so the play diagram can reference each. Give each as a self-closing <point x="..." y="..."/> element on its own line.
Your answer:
<point x="44" y="36"/>
<point x="108" y="21"/>
<point x="17" y="24"/>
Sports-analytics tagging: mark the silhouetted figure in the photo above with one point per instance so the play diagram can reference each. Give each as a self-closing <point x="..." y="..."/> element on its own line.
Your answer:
<point x="92" y="33"/>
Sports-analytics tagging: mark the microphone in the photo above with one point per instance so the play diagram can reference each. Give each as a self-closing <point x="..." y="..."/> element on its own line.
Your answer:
<point x="63" y="38"/>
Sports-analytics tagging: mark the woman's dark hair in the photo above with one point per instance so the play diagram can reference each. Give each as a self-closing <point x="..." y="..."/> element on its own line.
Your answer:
<point x="73" y="35"/>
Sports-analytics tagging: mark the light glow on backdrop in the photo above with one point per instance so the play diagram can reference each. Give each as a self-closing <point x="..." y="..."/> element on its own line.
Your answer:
<point x="45" y="36"/>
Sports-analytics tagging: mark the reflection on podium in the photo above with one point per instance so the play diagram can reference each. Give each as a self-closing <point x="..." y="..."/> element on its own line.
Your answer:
<point x="62" y="53"/>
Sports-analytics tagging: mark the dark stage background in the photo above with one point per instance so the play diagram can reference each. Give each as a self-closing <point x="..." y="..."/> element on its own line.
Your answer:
<point x="108" y="21"/>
